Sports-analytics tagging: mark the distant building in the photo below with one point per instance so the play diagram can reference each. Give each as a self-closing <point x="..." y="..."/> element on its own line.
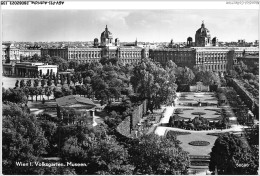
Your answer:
<point x="241" y="42"/>
<point x="13" y="54"/>
<point x="28" y="69"/>
<point x="182" y="57"/>
<point x="106" y="48"/>
<point x="256" y="43"/>
<point x="10" y="53"/>
<point x="29" y="52"/>
<point x="206" y="53"/>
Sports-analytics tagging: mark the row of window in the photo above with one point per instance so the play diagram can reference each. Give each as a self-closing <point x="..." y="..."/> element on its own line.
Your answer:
<point x="211" y="54"/>
<point x="96" y="60"/>
<point x="89" y="55"/>
<point x="211" y="59"/>
<point x="130" y="60"/>
<point x="175" y="54"/>
<point x="177" y="59"/>
<point x="130" y="55"/>
<point x="88" y="60"/>
<point x="215" y="67"/>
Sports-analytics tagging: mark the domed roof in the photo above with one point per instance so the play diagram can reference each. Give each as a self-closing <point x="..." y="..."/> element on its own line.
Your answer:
<point x="106" y="33"/>
<point x="189" y="38"/>
<point x="203" y="31"/>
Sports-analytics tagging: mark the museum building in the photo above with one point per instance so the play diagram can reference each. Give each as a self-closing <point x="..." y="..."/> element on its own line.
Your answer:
<point x="105" y="49"/>
<point x="205" y="53"/>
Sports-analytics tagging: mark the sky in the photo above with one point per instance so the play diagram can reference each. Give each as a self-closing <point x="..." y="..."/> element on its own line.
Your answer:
<point x="127" y="25"/>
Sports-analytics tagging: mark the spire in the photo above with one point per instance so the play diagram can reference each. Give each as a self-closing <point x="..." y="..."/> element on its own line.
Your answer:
<point x="106" y="28"/>
<point x="203" y="25"/>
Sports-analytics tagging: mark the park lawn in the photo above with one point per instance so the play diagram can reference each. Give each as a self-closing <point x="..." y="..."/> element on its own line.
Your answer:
<point x="195" y="136"/>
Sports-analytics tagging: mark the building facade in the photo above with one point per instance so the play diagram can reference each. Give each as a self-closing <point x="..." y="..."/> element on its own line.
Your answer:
<point x="28" y="69"/>
<point x="10" y="53"/>
<point x="181" y="57"/>
<point x="106" y="48"/>
<point x="29" y="52"/>
<point x="206" y="53"/>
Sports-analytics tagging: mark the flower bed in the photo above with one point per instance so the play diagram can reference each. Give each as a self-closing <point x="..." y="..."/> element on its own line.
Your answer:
<point x="198" y="113"/>
<point x="199" y="143"/>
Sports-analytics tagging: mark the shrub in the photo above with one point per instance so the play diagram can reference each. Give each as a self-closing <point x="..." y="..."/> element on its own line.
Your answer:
<point x="199" y="143"/>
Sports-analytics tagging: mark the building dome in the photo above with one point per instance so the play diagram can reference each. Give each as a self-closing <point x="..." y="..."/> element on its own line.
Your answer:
<point x="106" y="37"/>
<point x="202" y="36"/>
<point x="204" y="32"/>
<point x="106" y="33"/>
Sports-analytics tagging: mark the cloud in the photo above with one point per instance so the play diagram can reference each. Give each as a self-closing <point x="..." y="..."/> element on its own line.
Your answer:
<point x="146" y="25"/>
<point x="114" y="18"/>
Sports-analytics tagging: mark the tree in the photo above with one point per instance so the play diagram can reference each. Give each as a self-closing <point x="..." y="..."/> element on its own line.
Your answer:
<point x="87" y="80"/>
<point x="185" y="76"/>
<point x="29" y="83"/>
<point x="36" y="83"/>
<point x="154" y="155"/>
<point x="62" y="80"/>
<point x="66" y="90"/>
<point x="153" y="83"/>
<point x="57" y="93"/>
<point x="41" y="91"/>
<point x="249" y="76"/>
<point x="99" y="86"/>
<point x="49" y="82"/>
<point x="56" y="81"/>
<point x="22" y="83"/>
<point x="68" y="79"/>
<point x="14" y="95"/>
<point x="22" y="141"/>
<point x="73" y="64"/>
<point x="74" y="79"/>
<point x="207" y="78"/>
<point x="43" y="83"/>
<point x="36" y="92"/>
<point x="26" y="91"/>
<point x="48" y="91"/>
<point x="231" y="156"/>
<point x="17" y="83"/>
<point x="62" y="63"/>
<point x="101" y="153"/>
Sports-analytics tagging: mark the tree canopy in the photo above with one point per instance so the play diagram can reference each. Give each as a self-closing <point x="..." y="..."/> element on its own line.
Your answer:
<point x="154" y="83"/>
<point x="23" y="140"/>
<point x="101" y="153"/>
<point x="156" y="155"/>
<point x="231" y="156"/>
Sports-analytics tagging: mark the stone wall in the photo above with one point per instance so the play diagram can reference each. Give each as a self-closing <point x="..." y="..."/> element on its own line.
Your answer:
<point x="129" y="124"/>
